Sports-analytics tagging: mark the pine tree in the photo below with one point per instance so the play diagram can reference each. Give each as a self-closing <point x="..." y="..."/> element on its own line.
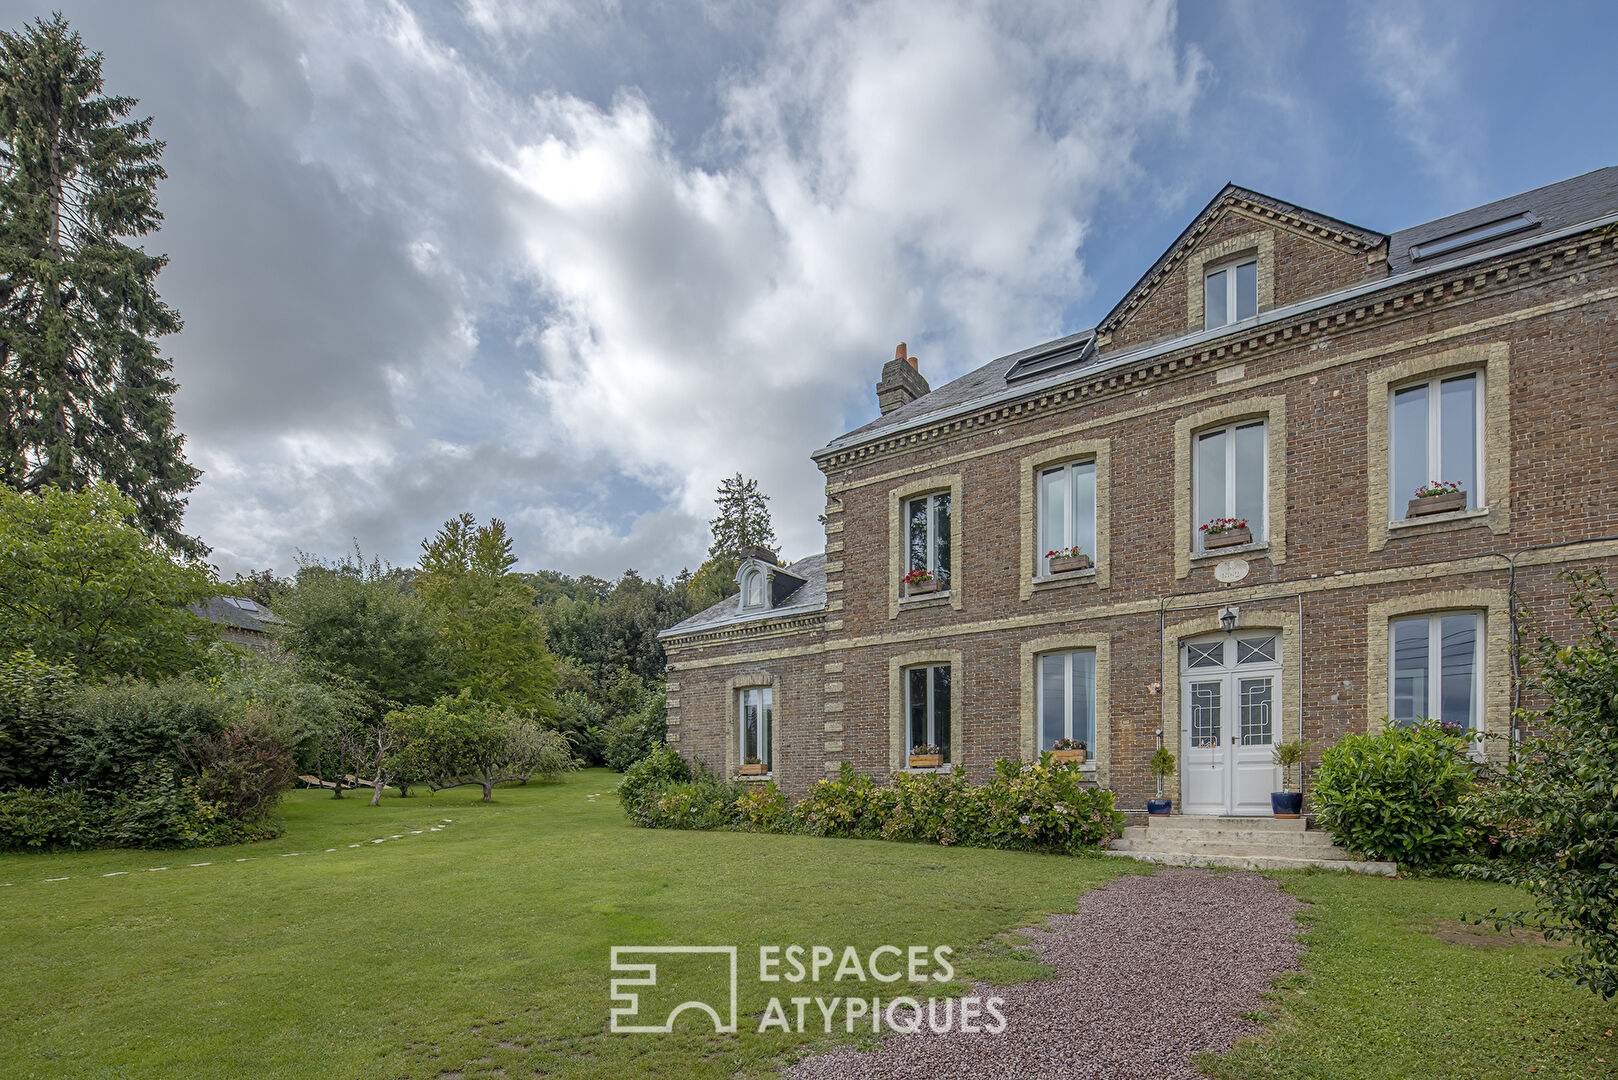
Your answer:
<point x="743" y="521"/>
<point x="84" y="393"/>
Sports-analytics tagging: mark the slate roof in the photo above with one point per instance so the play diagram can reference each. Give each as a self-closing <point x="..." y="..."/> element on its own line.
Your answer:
<point x="810" y="596"/>
<point x="241" y="613"/>
<point x="1589" y="197"/>
<point x="1569" y="202"/>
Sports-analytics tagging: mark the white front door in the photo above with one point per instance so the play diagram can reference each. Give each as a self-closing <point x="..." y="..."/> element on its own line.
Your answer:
<point x="1230" y="717"/>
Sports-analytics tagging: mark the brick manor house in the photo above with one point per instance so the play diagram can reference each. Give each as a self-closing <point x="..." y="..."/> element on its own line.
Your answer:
<point x="1275" y="366"/>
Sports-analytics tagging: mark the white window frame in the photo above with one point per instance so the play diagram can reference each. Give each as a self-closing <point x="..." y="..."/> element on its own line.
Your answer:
<point x="1229" y="270"/>
<point x="931" y="707"/>
<point x="932" y="499"/>
<point x="1200" y="514"/>
<point x="750" y="580"/>
<point x="766" y="702"/>
<point x="1067" y="697"/>
<point x="1398" y="503"/>
<point x="1435" y="668"/>
<point x="1086" y="544"/>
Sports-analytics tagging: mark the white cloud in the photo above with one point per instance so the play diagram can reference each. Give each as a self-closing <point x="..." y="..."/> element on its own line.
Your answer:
<point x="557" y="312"/>
<point x="1417" y="69"/>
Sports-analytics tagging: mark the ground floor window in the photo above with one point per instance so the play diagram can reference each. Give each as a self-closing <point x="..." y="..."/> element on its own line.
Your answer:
<point x="757" y="713"/>
<point x="927" y="701"/>
<point x="1437" y="668"/>
<point x="1067" y="698"/>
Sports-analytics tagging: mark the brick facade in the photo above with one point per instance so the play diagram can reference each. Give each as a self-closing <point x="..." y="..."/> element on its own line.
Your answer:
<point x="1540" y="323"/>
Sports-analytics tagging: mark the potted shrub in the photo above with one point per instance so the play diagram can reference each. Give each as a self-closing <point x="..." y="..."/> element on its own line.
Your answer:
<point x="1226" y="532"/>
<point x="1287" y="803"/>
<point x="752" y="767"/>
<point x="1436" y="497"/>
<point x="1161" y="765"/>
<point x="1068" y="750"/>
<point x="919" y="583"/>
<point x="1067" y="560"/>
<point x="926" y="756"/>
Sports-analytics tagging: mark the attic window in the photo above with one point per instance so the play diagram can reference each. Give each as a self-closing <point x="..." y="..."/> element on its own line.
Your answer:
<point x="1052" y="358"/>
<point x="1230" y="293"/>
<point x="754" y="590"/>
<point x="1493" y="230"/>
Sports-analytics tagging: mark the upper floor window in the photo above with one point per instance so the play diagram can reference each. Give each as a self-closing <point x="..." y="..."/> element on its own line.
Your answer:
<point x="927" y="536"/>
<point x="1435" y="436"/>
<point x="1437" y="669"/>
<point x="927" y="705"/>
<point x="1067" y="698"/>
<point x="1230" y="478"/>
<point x="756" y="709"/>
<point x="1230" y="293"/>
<point x="1067" y="512"/>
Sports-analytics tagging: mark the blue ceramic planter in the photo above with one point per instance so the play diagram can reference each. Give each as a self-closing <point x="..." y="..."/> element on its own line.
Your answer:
<point x="1159" y="807"/>
<point x="1286" y="804"/>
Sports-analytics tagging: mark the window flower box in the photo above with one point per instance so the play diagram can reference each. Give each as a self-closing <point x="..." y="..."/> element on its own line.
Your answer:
<point x="1226" y="532"/>
<point x="920" y="583"/>
<point x="753" y="768"/>
<point x="1438" y="497"/>
<point x="1067" y="560"/>
<point x="926" y="756"/>
<point x="1069" y="750"/>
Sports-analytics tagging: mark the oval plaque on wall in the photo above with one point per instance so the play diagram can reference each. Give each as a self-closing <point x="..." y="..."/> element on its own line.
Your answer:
<point x="1229" y="570"/>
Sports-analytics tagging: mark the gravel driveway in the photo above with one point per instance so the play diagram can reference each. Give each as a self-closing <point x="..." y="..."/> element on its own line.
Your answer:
<point x="1150" y="971"/>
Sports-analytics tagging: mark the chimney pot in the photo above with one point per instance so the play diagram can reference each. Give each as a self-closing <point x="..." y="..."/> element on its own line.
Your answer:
<point x="902" y="381"/>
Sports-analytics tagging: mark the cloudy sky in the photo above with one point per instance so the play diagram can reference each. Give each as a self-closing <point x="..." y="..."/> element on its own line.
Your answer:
<point x="569" y="263"/>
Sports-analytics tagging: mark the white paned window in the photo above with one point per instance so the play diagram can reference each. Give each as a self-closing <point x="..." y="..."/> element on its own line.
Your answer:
<point x="1231" y="477"/>
<point x="927" y="536"/>
<point x="1436" y="669"/>
<point x="1436" y="433"/>
<point x="1067" y="511"/>
<point x="1067" y="698"/>
<point x="1230" y="293"/>
<point x="756" y="709"/>
<point x="927" y="701"/>
<point x="753" y="590"/>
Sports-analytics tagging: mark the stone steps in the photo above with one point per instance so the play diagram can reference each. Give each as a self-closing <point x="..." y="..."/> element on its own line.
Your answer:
<point x="1249" y="843"/>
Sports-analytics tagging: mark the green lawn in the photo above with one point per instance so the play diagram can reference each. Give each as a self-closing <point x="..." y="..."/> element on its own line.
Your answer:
<point x="484" y="947"/>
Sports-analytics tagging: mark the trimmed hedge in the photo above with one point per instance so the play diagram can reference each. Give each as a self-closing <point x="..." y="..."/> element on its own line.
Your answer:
<point x="1401" y="794"/>
<point x="1039" y="806"/>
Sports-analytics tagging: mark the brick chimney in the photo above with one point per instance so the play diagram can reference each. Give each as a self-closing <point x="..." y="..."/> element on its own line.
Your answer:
<point x="902" y="381"/>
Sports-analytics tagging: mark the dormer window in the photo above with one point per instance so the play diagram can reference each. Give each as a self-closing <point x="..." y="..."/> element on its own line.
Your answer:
<point x="1230" y="293"/>
<point x="755" y="589"/>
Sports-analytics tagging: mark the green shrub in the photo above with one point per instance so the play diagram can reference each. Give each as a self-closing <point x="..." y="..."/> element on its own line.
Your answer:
<point x="162" y="809"/>
<point x="35" y="720"/>
<point x="648" y="778"/>
<point x="761" y="807"/>
<point x="1554" y="816"/>
<point x="1040" y="806"/>
<point x="124" y="726"/>
<point x="245" y="769"/>
<point x="1044" y="806"/>
<point x="630" y="736"/>
<point x="48" y="819"/>
<point x="1398" y="794"/>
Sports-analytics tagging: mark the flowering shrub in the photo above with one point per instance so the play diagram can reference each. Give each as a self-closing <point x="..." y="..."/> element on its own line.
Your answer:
<point x="1040" y="806"/>
<point x="761" y="808"/>
<point x="917" y="577"/>
<point x="1437" y="487"/>
<point x="1398" y="794"/>
<point x="1220" y="525"/>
